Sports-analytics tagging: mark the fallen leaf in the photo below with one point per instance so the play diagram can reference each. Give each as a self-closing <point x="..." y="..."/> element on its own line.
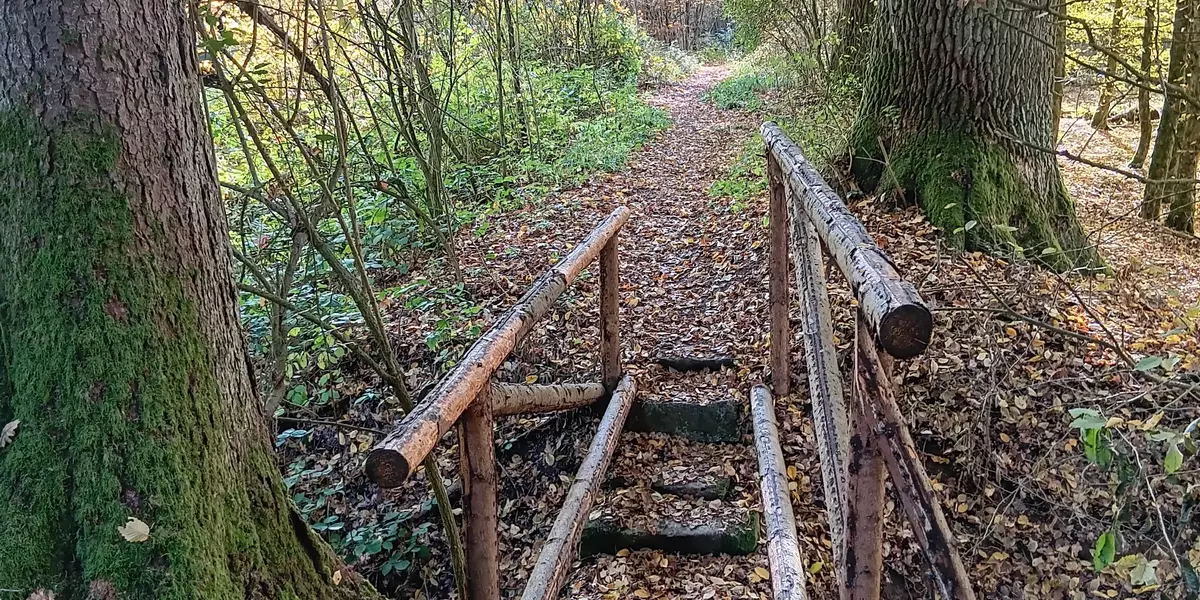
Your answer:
<point x="8" y="433"/>
<point x="135" y="530"/>
<point x="762" y="573"/>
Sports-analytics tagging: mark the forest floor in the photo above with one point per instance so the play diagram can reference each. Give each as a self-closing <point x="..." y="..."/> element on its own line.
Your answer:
<point x="987" y="404"/>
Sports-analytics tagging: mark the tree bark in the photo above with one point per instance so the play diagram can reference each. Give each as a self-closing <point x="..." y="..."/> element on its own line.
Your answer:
<point x="1145" y="124"/>
<point x="956" y="101"/>
<point x="122" y="352"/>
<point x="1178" y="141"/>
<point x="481" y="514"/>
<point x="1104" y="106"/>
<point x="854" y="35"/>
<point x="780" y="293"/>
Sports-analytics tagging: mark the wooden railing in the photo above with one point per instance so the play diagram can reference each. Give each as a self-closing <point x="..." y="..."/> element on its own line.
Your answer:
<point x="467" y="397"/>
<point x="856" y="446"/>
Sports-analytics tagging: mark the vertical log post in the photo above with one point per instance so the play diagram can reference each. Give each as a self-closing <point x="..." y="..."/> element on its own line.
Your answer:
<point x="480" y="514"/>
<point x="610" y="325"/>
<point x="864" y="515"/>
<point x="780" y="335"/>
<point x="909" y="478"/>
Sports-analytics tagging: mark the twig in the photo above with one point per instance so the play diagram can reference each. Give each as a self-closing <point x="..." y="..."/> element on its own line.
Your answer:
<point x="378" y="432"/>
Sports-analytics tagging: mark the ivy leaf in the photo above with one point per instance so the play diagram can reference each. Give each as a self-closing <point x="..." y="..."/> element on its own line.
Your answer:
<point x="8" y="433"/>
<point x="969" y="225"/>
<point x="1174" y="459"/>
<point x="134" y="530"/>
<point x="1105" y="551"/>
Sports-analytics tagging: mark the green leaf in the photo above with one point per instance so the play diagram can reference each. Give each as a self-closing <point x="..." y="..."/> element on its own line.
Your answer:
<point x="1050" y="250"/>
<point x="1148" y="363"/>
<point x="1173" y="460"/>
<point x="1086" y="418"/>
<point x="969" y="225"/>
<point x="1105" y="550"/>
<point x="1005" y="228"/>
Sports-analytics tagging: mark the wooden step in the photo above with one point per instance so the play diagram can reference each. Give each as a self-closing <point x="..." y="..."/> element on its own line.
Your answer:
<point x="712" y="422"/>
<point x="734" y="534"/>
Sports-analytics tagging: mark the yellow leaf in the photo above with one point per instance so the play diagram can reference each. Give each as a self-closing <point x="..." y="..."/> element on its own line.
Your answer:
<point x="762" y="573"/>
<point x="1150" y="423"/>
<point x="1004" y="438"/>
<point x="631" y="302"/>
<point x="641" y="593"/>
<point x="816" y="567"/>
<point x="1010" y="332"/>
<point x="664" y="562"/>
<point x="1023" y="520"/>
<point x="337" y="577"/>
<point x="791" y="472"/>
<point x="999" y="556"/>
<point x="1113" y="422"/>
<point x="623" y="552"/>
<point x="530" y="379"/>
<point x="134" y="530"/>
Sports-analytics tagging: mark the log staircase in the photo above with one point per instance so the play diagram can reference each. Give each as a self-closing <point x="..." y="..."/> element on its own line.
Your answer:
<point x="683" y="488"/>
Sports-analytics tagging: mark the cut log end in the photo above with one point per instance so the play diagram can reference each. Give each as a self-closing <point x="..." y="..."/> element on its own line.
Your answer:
<point x="387" y="468"/>
<point x="905" y="332"/>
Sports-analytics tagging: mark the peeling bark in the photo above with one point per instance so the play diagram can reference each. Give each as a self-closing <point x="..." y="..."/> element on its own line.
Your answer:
<point x="515" y="399"/>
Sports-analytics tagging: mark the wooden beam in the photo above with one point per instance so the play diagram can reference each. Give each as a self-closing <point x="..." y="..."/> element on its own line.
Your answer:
<point x="394" y="459"/>
<point x="778" y="280"/>
<point x="481" y="516"/>
<point x="908" y="475"/>
<point x="897" y="316"/>
<point x="610" y="325"/>
<point x="830" y="419"/>
<point x="558" y="552"/>
<point x="518" y="399"/>
<point x="783" y="547"/>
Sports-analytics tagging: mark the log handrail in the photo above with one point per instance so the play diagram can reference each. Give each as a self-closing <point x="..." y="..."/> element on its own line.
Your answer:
<point x="557" y="554"/>
<point x="899" y="320"/>
<point x="854" y="456"/>
<point x="394" y="459"/>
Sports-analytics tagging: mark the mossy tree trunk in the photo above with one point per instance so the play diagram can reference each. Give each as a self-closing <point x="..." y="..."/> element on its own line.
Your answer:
<point x="120" y="348"/>
<point x="1178" y="141"/>
<point x="958" y="103"/>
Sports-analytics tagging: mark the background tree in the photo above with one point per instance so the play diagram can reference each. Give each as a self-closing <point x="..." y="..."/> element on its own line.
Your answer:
<point x="122" y="354"/>
<point x="1107" y="91"/>
<point x="1176" y="147"/>
<point x="957" y="112"/>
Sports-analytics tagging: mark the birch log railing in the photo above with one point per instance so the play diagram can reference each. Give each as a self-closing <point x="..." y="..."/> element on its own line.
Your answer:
<point x="466" y="396"/>
<point x="892" y="322"/>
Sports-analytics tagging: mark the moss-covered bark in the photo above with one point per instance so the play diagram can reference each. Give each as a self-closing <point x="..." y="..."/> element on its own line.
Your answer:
<point x="957" y="113"/>
<point x="120" y="352"/>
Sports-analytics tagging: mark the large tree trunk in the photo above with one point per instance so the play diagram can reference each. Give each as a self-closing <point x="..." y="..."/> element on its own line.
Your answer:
<point x="120" y="348"/>
<point x="961" y="102"/>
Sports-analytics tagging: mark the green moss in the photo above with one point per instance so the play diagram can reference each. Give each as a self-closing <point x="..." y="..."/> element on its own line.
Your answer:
<point x="972" y="190"/>
<point x="105" y="366"/>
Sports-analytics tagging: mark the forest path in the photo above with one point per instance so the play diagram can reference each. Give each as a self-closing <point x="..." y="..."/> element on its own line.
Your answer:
<point x="693" y="283"/>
